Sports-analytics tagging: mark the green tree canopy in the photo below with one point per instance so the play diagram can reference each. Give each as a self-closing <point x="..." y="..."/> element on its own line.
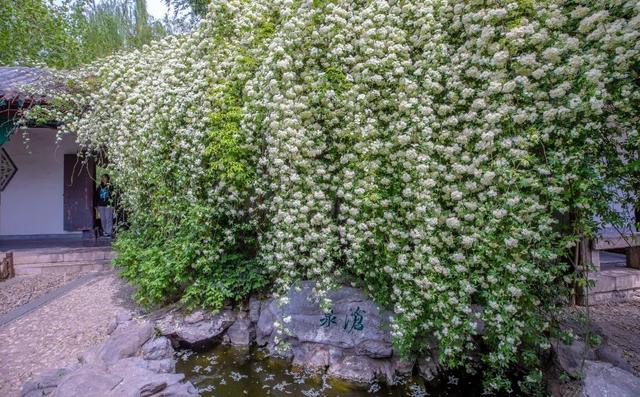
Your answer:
<point x="76" y="32"/>
<point x="36" y="31"/>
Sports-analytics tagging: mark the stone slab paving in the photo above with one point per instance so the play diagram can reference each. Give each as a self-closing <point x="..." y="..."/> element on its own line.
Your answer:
<point x="53" y="335"/>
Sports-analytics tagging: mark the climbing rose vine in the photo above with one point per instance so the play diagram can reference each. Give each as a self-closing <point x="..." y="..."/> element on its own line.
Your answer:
<point x="422" y="150"/>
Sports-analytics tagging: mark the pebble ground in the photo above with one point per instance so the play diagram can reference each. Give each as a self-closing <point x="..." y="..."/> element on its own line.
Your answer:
<point x="53" y="335"/>
<point x="22" y="289"/>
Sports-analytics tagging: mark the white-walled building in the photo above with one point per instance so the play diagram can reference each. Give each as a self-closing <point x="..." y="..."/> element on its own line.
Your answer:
<point x="46" y="191"/>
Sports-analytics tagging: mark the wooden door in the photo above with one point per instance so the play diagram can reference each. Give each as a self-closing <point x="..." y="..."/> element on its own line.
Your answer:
<point x="79" y="189"/>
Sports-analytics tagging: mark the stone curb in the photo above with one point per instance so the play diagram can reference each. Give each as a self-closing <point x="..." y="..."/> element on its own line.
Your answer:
<point x="44" y="299"/>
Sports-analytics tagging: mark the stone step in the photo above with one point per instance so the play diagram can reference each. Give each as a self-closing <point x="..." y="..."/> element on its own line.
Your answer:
<point x="72" y="255"/>
<point x="62" y="267"/>
<point x="611" y="285"/>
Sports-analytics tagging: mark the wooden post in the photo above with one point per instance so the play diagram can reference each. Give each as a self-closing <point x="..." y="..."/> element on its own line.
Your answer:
<point x="589" y="256"/>
<point x="633" y="257"/>
<point x="12" y="269"/>
<point x="4" y="271"/>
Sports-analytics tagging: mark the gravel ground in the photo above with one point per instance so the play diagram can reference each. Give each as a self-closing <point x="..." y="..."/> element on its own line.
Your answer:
<point x="53" y="335"/>
<point x="617" y="323"/>
<point x="19" y="290"/>
<point x="620" y="324"/>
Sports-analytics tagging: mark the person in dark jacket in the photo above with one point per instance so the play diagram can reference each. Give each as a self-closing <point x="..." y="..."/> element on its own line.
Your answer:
<point x="103" y="203"/>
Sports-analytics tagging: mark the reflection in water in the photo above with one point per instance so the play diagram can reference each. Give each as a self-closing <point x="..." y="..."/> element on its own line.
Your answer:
<point x="227" y="371"/>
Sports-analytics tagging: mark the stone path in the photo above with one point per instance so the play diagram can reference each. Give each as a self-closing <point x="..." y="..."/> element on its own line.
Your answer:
<point x="20" y="290"/>
<point x="40" y="300"/>
<point x="53" y="335"/>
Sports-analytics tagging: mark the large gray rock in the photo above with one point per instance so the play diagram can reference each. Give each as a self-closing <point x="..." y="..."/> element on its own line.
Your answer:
<point x="45" y="383"/>
<point x="362" y="369"/>
<point x="121" y="319"/>
<point x="611" y="354"/>
<point x="569" y="357"/>
<point x="185" y="389"/>
<point x="357" y="369"/>
<point x="87" y="381"/>
<point x="241" y="333"/>
<point x="254" y="309"/>
<point x="164" y="366"/>
<point x="197" y="330"/>
<point x="311" y="355"/>
<point x="265" y="325"/>
<point x="122" y="316"/>
<point x="352" y="341"/>
<point x="355" y="323"/>
<point x="604" y="380"/>
<point x="158" y="354"/>
<point x="138" y="380"/>
<point x="125" y="342"/>
<point x="157" y="349"/>
<point x="131" y="363"/>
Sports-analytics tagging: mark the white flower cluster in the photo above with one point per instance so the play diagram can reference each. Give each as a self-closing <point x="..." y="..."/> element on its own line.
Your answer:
<point x="421" y="147"/>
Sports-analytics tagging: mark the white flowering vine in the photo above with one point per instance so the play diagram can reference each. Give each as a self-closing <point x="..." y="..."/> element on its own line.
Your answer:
<point x="425" y="150"/>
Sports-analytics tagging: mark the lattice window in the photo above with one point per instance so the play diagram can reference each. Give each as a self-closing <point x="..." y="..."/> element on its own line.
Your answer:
<point x="7" y="169"/>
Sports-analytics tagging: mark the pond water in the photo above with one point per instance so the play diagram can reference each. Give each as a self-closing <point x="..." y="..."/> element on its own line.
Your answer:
<point x="227" y="371"/>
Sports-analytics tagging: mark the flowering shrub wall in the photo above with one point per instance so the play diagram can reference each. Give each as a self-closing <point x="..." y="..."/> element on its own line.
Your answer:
<point x="423" y="150"/>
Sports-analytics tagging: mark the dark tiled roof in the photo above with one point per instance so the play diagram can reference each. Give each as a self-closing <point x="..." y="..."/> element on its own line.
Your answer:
<point x="15" y="81"/>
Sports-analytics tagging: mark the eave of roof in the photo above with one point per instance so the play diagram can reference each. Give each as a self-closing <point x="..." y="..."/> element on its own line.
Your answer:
<point x="15" y="83"/>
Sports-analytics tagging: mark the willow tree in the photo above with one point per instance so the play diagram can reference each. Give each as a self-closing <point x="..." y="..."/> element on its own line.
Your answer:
<point x="36" y="32"/>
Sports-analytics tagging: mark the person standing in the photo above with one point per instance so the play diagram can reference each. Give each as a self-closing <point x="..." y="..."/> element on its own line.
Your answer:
<point x="103" y="203"/>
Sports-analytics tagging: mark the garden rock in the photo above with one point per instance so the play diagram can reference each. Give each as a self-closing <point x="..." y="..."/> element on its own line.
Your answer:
<point x="604" y="380"/>
<point x="199" y="329"/>
<point x="138" y="380"/>
<point x="157" y="349"/>
<point x="44" y="383"/>
<point x="87" y="381"/>
<point x="569" y="357"/>
<point x="166" y="366"/>
<point x="353" y="368"/>
<point x="610" y="354"/>
<point x="254" y="309"/>
<point x="125" y="343"/>
<point x="241" y="332"/>
<point x="361" y="369"/>
<point x="196" y="317"/>
<point x="400" y="366"/>
<point x="185" y="389"/>
<point x="121" y="318"/>
<point x="352" y="341"/>
<point x="355" y="321"/>
<point x="129" y="363"/>
<point x="311" y="355"/>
